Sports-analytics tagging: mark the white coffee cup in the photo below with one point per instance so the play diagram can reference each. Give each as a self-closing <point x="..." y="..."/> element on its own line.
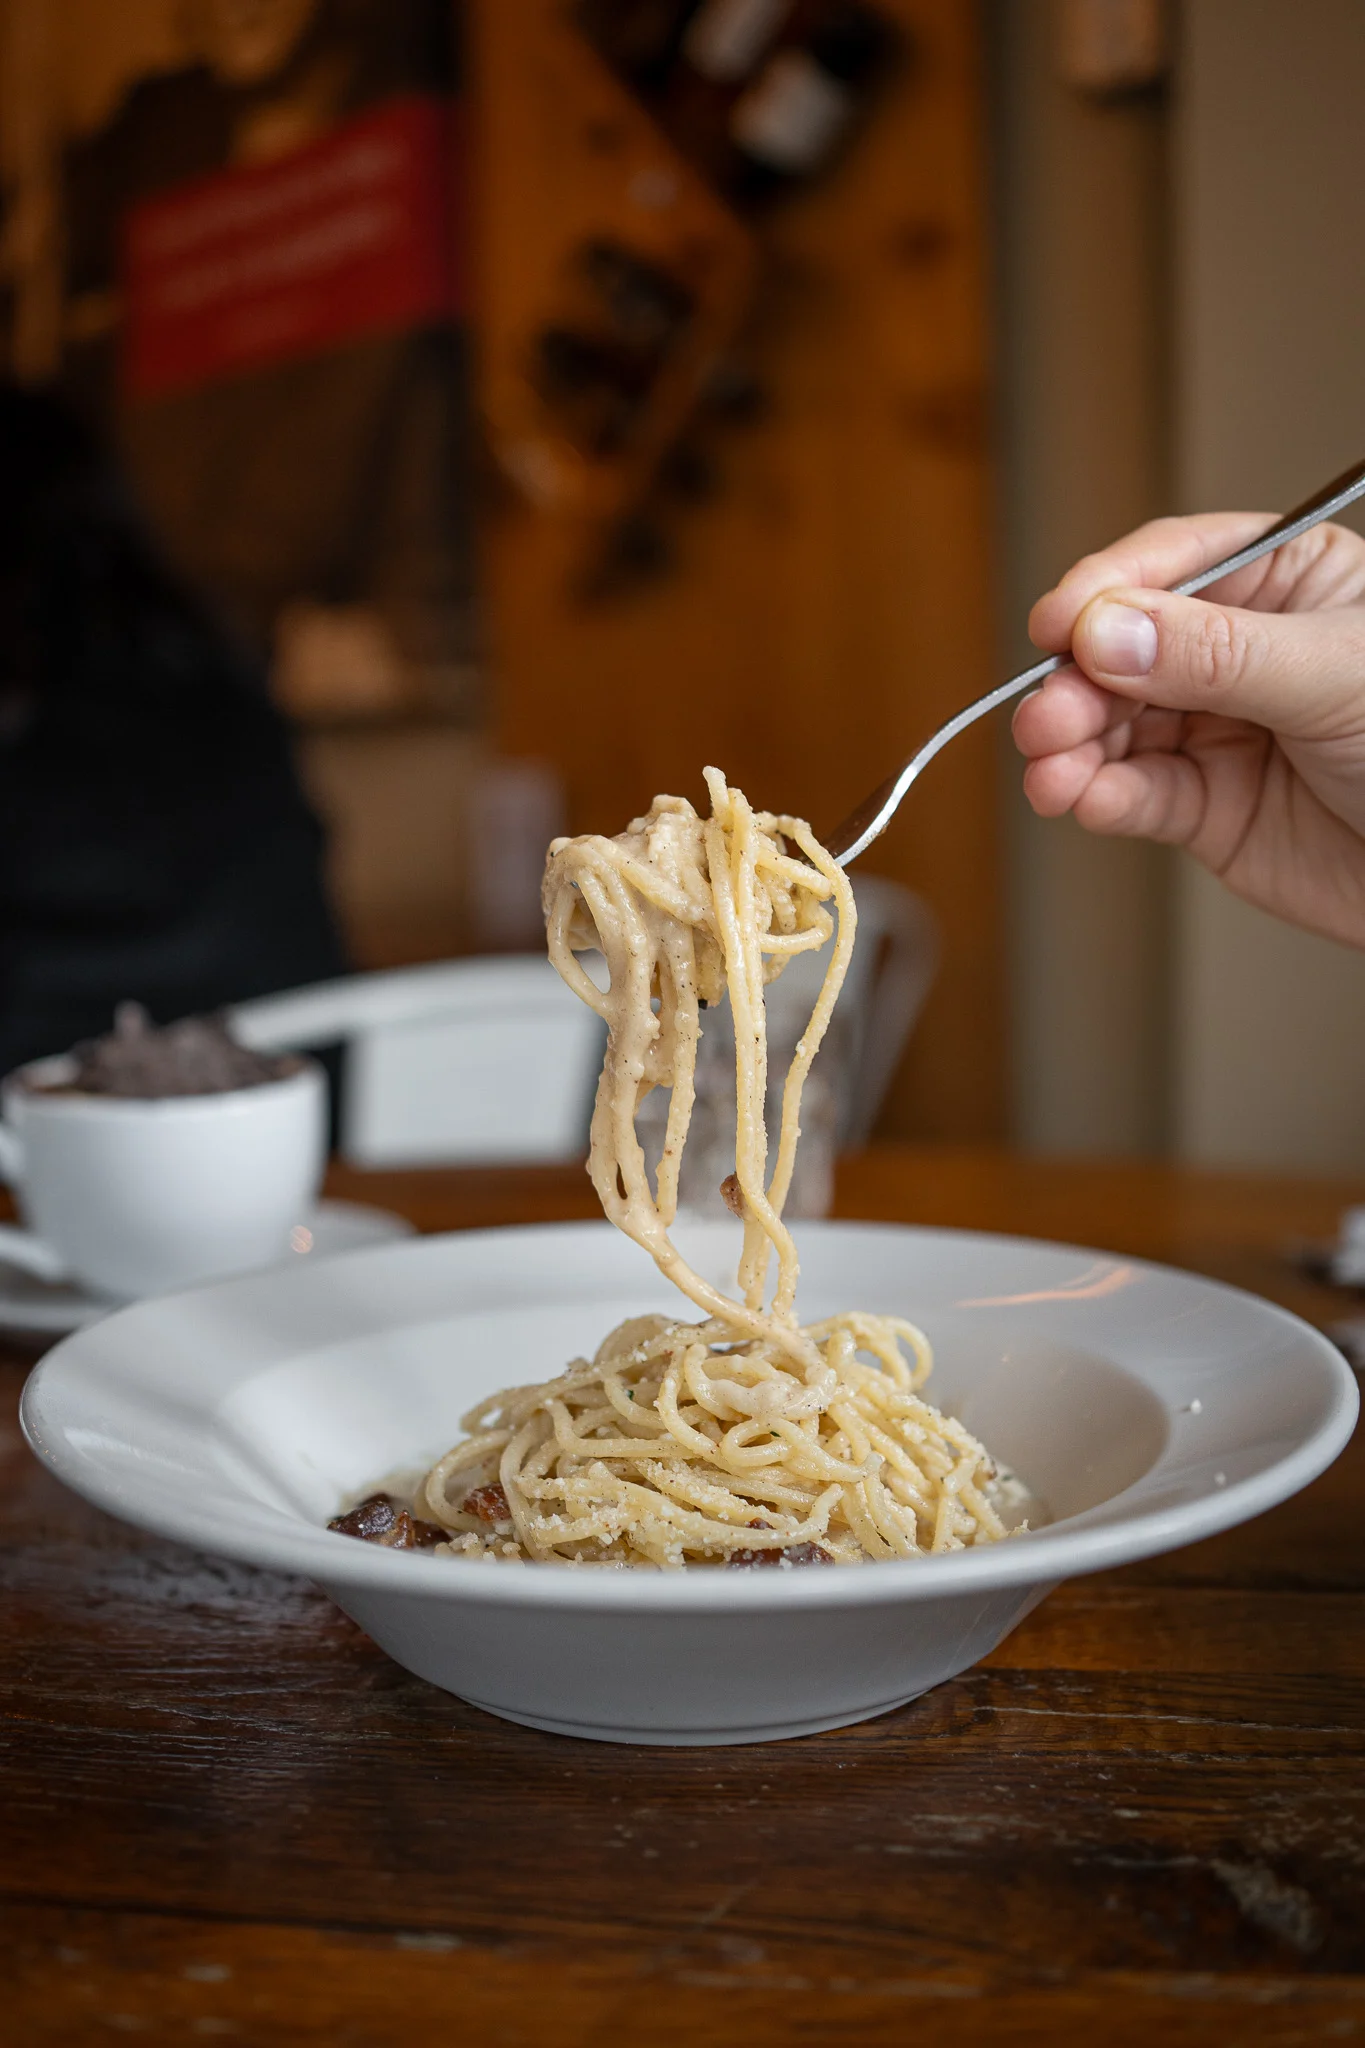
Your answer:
<point x="132" y="1196"/>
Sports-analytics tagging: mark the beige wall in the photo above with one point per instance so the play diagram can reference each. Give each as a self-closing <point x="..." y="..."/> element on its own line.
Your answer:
<point x="1269" y="187"/>
<point x="1080" y="211"/>
<point x="1225" y="239"/>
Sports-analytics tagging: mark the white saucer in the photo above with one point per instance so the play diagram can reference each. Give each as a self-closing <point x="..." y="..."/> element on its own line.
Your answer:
<point x="54" y="1308"/>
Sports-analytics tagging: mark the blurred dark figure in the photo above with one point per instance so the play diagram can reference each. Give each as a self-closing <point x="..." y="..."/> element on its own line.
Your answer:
<point x="154" y="841"/>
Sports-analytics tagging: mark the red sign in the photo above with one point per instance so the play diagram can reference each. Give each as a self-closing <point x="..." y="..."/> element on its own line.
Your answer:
<point x="271" y="262"/>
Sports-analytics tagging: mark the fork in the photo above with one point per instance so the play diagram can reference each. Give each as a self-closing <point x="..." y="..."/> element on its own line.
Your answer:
<point x="872" y="816"/>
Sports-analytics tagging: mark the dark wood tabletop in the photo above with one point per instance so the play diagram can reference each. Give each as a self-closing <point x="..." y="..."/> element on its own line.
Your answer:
<point x="225" y="1814"/>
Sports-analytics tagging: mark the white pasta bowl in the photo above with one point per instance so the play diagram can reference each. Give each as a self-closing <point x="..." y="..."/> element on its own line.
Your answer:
<point x="1146" y="1408"/>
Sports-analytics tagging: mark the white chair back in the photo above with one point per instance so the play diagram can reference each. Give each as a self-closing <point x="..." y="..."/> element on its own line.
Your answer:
<point x="486" y="1061"/>
<point x="463" y="1062"/>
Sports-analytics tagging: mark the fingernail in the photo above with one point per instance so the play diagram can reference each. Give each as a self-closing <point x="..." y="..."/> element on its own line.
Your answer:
<point x="1122" y="640"/>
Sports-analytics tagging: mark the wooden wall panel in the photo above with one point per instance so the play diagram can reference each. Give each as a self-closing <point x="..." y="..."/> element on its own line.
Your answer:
<point x="833" y="603"/>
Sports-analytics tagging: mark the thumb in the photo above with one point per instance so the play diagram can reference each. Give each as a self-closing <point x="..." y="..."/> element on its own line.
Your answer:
<point x="1299" y="673"/>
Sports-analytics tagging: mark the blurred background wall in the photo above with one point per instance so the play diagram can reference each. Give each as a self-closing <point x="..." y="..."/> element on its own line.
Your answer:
<point x="1083" y="346"/>
<point x="1180" y="324"/>
<point x="712" y="483"/>
<point x="806" y="588"/>
<point x="636" y="448"/>
<point x="1270" y="337"/>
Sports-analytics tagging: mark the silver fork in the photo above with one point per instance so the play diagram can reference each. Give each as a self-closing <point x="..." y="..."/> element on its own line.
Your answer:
<point x="876" y="811"/>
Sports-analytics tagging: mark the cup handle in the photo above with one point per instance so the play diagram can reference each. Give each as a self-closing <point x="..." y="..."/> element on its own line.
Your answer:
<point x="21" y="1248"/>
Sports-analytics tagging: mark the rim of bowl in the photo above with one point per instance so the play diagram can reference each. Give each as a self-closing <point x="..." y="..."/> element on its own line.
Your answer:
<point x="1057" y="1551"/>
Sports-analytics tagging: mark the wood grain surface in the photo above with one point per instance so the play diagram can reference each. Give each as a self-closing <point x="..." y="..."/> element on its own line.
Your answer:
<point x="226" y="1814"/>
<point x="832" y="602"/>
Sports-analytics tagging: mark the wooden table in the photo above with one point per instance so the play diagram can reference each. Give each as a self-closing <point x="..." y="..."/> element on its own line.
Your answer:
<point x="225" y="1814"/>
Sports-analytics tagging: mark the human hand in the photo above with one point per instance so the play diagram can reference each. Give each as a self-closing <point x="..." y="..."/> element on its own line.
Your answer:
<point x="1232" y="724"/>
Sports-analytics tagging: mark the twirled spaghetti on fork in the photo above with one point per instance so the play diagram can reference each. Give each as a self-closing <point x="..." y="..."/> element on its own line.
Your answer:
<point x="744" y="1438"/>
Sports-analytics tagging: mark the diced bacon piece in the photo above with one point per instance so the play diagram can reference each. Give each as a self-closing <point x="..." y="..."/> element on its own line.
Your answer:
<point x="369" y="1519"/>
<point x="488" y="1504"/>
<point x="793" y="1554"/>
<point x="383" y="1520"/>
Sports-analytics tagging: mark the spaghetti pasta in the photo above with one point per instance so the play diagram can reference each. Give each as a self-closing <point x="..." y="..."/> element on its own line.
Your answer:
<point x="744" y="1438"/>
